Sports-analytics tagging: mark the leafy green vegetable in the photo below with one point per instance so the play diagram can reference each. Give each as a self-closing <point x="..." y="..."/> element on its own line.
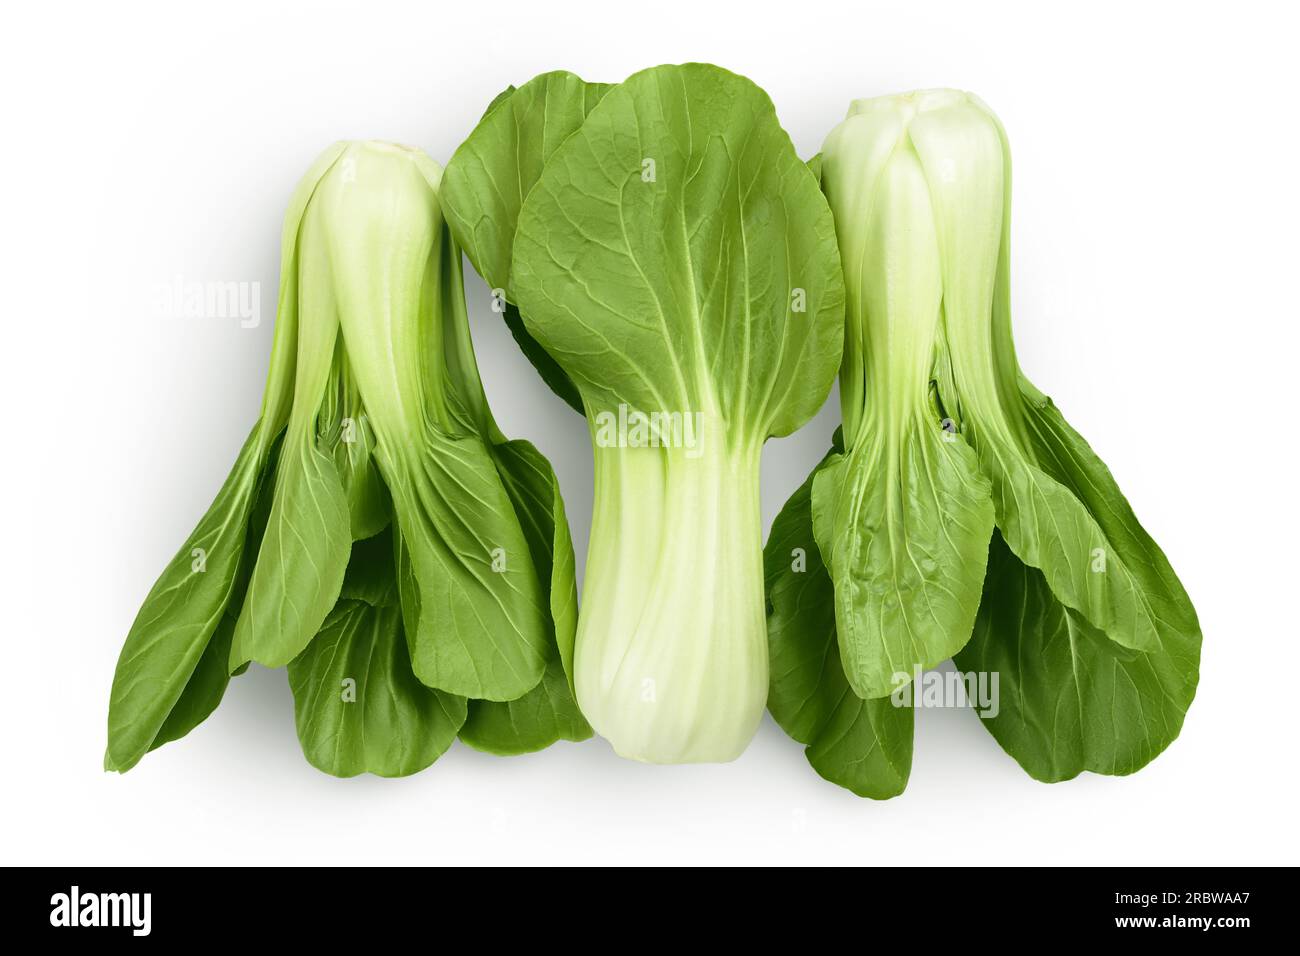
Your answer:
<point x="863" y="745"/>
<point x="374" y="418"/>
<point x="1093" y="636"/>
<point x="1071" y="698"/>
<point x="358" y="704"/>
<point x="489" y="176"/>
<point x="677" y="260"/>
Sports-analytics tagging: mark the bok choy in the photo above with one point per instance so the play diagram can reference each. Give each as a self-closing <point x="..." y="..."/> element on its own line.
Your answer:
<point x="378" y="533"/>
<point x="960" y="501"/>
<point x="677" y="261"/>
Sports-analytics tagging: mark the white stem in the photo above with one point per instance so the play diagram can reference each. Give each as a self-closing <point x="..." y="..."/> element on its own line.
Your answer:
<point x="671" y="654"/>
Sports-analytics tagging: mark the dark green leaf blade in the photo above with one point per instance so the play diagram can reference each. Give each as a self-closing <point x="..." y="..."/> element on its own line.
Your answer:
<point x="864" y="746"/>
<point x="1069" y="698"/>
<point x="556" y="378"/>
<point x="483" y="623"/>
<point x="490" y="174"/>
<point x="345" y="429"/>
<point x="302" y="559"/>
<point x="904" y="520"/>
<point x="545" y="714"/>
<point x="1048" y="528"/>
<point x="207" y="685"/>
<point x="548" y="712"/>
<point x="205" y="688"/>
<point x="1162" y="608"/>
<point x="535" y="493"/>
<point x="358" y="705"/>
<point x="175" y="625"/>
<point x="372" y="576"/>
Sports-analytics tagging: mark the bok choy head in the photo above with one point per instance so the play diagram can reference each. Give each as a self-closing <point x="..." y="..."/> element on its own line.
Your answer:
<point x="677" y="260"/>
<point x="374" y="423"/>
<point x="944" y="441"/>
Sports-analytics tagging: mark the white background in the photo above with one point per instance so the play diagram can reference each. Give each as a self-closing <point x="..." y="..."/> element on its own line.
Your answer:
<point x="1156" y="253"/>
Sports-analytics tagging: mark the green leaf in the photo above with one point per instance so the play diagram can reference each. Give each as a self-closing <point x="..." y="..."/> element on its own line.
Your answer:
<point x="548" y="712"/>
<point x="1049" y="528"/>
<point x="204" y="690"/>
<point x="372" y="573"/>
<point x="183" y="611"/>
<point x="491" y="173"/>
<point x="905" y="520"/>
<point x="408" y="589"/>
<point x="862" y="745"/>
<point x="535" y="493"/>
<point x="302" y="559"/>
<point x="545" y="714"/>
<point x="207" y="685"/>
<point x="1113" y="636"/>
<point x="556" y="379"/>
<point x="359" y="707"/>
<point x="1161" y="610"/>
<point x="344" y="428"/>
<point x="369" y="507"/>
<point x="483" y="622"/>
<point x="1069" y="698"/>
<point x="665" y="253"/>
<point x="500" y="98"/>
